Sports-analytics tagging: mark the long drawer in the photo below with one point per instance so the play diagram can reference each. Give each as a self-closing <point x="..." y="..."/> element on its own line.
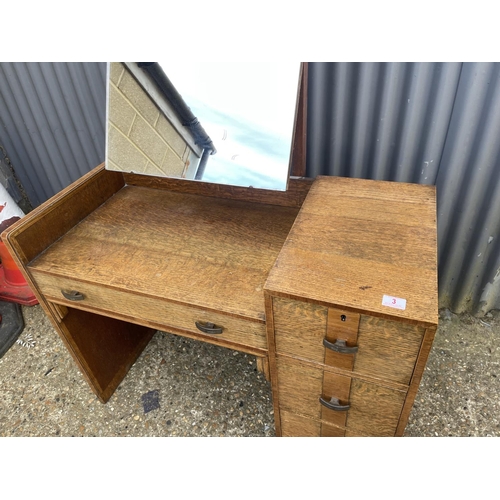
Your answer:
<point x="359" y="343"/>
<point x="169" y="314"/>
<point x="361" y="407"/>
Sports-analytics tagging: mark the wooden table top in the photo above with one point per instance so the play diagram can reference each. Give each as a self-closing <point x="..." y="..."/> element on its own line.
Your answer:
<point x="202" y="251"/>
<point x="356" y="240"/>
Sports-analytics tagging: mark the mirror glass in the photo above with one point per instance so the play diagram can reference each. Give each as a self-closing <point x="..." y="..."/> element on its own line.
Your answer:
<point x="226" y="123"/>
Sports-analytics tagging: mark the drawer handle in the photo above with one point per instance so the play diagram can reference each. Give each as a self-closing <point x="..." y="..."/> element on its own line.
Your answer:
<point x="340" y="346"/>
<point x="334" y="404"/>
<point x="208" y="327"/>
<point x="73" y="295"/>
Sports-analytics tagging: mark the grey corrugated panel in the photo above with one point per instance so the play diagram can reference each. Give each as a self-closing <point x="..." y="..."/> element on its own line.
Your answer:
<point x="52" y="122"/>
<point x="384" y="121"/>
<point x="469" y="194"/>
<point x="431" y="123"/>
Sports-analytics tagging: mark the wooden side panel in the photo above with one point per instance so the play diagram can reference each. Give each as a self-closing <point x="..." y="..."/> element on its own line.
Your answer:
<point x="262" y="363"/>
<point x="298" y="426"/>
<point x="375" y="410"/>
<point x="38" y="230"/>
<point x="178" y="316"/>
<point x="416" y="378"/>
<point x="300" y="328"/>
<point x="59" y="312"/>
<point x="104" y="348"/>
<point x="273" y="369"/>
<point x="43" y="226"/>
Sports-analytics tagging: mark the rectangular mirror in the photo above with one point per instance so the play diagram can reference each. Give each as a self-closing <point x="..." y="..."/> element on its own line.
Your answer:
<point x="224" y="123"/>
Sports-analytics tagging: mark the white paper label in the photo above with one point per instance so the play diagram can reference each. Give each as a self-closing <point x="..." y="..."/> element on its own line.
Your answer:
<point x="395" y="302"/>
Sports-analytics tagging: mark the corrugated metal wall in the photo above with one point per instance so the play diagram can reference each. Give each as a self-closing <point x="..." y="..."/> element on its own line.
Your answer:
<point x="380" y="121"/>
<point x="468" y="186"/>
<point x="432" y="123"/>
<point x="52" y="122"/>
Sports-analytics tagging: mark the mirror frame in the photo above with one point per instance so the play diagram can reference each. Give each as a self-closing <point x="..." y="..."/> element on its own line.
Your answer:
<point x="297" y="167"/>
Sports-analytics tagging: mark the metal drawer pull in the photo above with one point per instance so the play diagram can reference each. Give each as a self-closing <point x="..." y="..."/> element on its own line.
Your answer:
<point x="73" y="295"/>
<point x="340" y="346"/>
<point x="334" y="404"/>
<point x="208" y="327"/>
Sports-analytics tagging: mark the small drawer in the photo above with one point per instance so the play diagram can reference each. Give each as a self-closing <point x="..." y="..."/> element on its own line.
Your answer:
<point x="90" y="296"/>
<point x="361" y="407"/>
<point x="379" y="347"/>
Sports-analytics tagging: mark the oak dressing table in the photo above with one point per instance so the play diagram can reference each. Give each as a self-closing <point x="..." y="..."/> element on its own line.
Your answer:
<point x="296" y="278"/>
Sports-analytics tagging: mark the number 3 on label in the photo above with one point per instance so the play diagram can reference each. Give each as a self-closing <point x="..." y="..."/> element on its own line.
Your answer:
<point x="395" y="302"/>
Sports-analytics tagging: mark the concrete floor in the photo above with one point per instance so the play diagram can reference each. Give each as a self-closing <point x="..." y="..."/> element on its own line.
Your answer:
<point x="181" y="387"/>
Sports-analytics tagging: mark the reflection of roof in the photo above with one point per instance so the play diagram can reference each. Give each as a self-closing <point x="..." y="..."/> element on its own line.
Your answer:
<point x="183" y="111"/>
<point x="248" y="111"/>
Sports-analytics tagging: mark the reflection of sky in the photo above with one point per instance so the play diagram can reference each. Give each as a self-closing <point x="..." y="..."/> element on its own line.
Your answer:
<point x="247" y="109"/>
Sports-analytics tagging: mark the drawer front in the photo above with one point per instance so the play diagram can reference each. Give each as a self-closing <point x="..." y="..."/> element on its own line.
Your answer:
<point x="373" y="410"/>
<point x="385" y="349"/>
<point x="240" y="331"/>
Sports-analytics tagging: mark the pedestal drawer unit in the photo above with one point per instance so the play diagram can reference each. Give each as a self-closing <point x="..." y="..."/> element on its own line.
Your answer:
<point x="351" y="307"/>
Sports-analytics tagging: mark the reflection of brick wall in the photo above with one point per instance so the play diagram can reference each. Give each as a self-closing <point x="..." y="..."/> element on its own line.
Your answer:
<point x="140" y="138"/>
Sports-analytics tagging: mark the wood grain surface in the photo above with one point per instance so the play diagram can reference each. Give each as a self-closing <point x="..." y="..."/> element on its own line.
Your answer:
<point x="298" y="426"/>
<point x="293" y="197"/>
<point x="416" y="377"/>
<point x="273" y="368"/>
<point x="328" y="430"/>
<point x="206" y="252"/>
<point x="387" y="350"/>
<point x="299" y="328"/>
<point x="300" y="388"/>
<point x="356" y="240"/>
<point x="33" y="233"/>
<point x="104" y="348"/>
<point x="374" y="409"/>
